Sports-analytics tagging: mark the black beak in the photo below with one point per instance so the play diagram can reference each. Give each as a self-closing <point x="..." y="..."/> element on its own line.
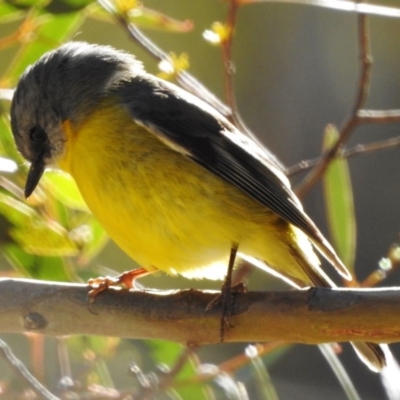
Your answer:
<point x="35" y="173"/>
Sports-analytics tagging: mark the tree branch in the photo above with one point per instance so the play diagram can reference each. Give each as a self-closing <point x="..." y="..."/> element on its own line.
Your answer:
<point x="186" y="80"/>
<point x="313" y="316"/>
<point x="359" y="149"/>
<point x="353" y="121"/>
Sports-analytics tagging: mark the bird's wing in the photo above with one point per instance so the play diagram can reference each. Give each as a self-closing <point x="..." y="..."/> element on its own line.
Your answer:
<point x="199" y="132"/>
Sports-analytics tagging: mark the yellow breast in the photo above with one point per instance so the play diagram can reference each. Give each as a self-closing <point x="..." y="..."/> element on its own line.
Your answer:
<point x="161" y="208"/>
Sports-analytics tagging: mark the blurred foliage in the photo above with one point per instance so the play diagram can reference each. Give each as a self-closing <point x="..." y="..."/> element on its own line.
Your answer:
<point x="53" y="236"/>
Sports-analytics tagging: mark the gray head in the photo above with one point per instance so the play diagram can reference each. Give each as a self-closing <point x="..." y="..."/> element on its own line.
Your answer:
<point x="65" y="84"/>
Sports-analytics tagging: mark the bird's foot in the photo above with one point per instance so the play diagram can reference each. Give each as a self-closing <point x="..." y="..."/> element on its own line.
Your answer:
<point x="225" y="298"/>
<point x="126" y="279"/>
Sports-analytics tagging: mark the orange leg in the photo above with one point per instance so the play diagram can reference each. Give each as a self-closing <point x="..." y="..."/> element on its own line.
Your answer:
<point x="126" y="279"/>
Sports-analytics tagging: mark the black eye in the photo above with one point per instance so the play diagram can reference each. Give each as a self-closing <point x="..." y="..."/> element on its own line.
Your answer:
<point x="37" y="135"/>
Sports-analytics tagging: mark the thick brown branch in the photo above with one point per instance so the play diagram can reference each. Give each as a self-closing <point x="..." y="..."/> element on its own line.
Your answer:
<point x="310" y="316"/>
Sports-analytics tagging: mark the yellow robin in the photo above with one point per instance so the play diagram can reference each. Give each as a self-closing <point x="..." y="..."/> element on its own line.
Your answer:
<point x="170" y="179"/>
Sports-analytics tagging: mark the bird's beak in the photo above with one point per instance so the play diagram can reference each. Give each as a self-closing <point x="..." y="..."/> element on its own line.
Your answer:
<point x="35" y="173"/>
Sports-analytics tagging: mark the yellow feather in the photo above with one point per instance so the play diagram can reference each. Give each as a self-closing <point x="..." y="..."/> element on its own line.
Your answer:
<point x="166" y="211"/>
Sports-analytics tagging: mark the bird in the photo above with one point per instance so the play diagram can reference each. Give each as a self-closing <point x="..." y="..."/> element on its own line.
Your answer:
<point x="172" y="181"/>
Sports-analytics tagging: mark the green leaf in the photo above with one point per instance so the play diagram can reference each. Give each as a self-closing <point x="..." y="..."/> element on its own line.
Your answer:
<point x="8" y="12"/>
<point x="24" y="4"/>
<point x="166" y="354"/>
<point x="34" y="233"/>
<point x="276" y="355"/>
<point x="339" y="203"/>
<point x="7" y="144"/>
<point x="63" y="187"/>
<point x="45" y="268"/>
<point x="104" y="347"/>
<point x="67" y="6"/>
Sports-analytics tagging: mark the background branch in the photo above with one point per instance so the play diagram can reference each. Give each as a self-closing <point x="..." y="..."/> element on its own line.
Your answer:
<point x="352" y="122"/>
<point x="185" y="79"/>
<point x="359" y="149"/>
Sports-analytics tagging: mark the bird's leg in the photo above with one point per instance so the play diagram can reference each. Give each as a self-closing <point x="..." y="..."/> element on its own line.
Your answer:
<point x="225" y="297"/>
<point x="126" y="279"/>
<point x="226" y="293"/>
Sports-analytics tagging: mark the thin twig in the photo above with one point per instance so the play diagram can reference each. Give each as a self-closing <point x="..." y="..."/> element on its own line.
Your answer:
<point x="37" y="349"/>
<point x="11" y="187"/>
<point x="20" y="369"/>
<point x="371" y="147"/>
<point x="341" y="374"/>
<point x="231" y="365"/>
<point x="359" y="149"/>
<point x="341" y="5"/>
<point x="353" y="121"/>
<point x="186" y="80"/>
<point x="229" y="69"/>
<point x="64" y="361"/>
<point x="242" y="359"/>
<point x="378" y="116"/>
<point x="387" y="265"/>
<point x="167" y="379"/>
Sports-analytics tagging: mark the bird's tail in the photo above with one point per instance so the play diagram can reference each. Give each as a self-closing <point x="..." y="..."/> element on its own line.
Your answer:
<point x="370" y="353"/>
<point x="307" y="266"/>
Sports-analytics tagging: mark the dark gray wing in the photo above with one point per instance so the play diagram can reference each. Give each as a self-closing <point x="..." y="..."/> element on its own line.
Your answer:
<point x="199" y="132"/>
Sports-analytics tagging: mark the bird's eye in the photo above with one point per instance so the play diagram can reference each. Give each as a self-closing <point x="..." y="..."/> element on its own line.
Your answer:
<point x="37" y="134"/>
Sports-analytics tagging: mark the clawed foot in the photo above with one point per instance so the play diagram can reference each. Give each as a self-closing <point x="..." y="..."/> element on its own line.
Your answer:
<point x="126" y="279"/>
<point x="225" y="298"/>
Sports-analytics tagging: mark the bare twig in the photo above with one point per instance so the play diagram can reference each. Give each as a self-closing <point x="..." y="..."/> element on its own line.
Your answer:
<point x="242" y="359"/>
<point x="340" y="372"/>
<point x="186" y="80"/>
<point x="353" y="121"/>
<point x="378" y="116"/>
<point x="342" y="5"/>
<point x="371" y="147"/>
<point x="167" y="379"/>
<point x="231" y="365"/>
<point x="359" y="149"/>
<point x="387" y="265"/>
<point x="64" y="362"/>
<point x="37" y="348"/>
<point x="229" y="69"/>
<point x="20" y="369"/>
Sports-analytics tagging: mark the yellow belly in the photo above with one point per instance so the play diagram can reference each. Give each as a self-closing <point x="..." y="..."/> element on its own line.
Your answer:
<point x="164" y="210"/>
